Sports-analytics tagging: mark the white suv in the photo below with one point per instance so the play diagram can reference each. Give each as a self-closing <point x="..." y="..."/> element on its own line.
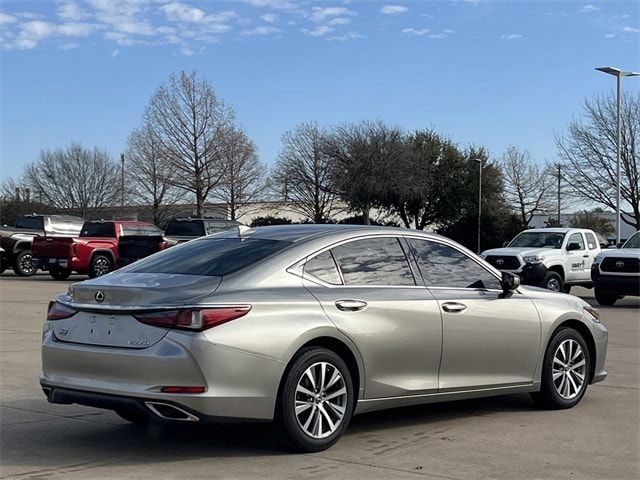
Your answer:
<point x="616" y="272"/>
<point x="552" y="258"/>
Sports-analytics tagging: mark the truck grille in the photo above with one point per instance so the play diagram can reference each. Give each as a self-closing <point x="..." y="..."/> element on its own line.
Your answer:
<point x="620" y="265"/>
<point x="503" y="262"/>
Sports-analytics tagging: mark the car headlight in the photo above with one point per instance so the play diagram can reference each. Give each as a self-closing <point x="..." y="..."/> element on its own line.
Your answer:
<point x="593" y="312"/>
<point x="533" y="259"/>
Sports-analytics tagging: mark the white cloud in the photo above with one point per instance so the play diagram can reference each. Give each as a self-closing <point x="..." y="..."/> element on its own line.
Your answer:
<point x="262" y="30"/>
<point x="115" y="53"/>
<point x="610" y="35"/>
<point x="321" y="14"/>
<point x="76" y="29"/>
<point x="318" y="31"/>
<point x="6" y="18"/>
<point x="339" y="21"/>
<point x="589" y="8"/>
<point x="415" y="31"/>
<point x="181" y="12"/>
<point x="71" y="11"/>
<point x="511" y="36"/>
<point x="32" y="32"/>
<point x="269" y="17"/>
<point x="347" y="36"/>
<point x="275" y="4"/>
<point x="631" y="30"/>
<point x="69" y="46"/>
<point x="393" y="9"/>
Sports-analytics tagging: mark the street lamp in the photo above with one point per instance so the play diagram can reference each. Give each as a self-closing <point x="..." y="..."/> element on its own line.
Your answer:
<point x="616" y="72"/>
<point x="479" y="160"/>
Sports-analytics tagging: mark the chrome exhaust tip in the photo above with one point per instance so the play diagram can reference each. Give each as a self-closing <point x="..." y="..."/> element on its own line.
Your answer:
<point x="166" y="411"/>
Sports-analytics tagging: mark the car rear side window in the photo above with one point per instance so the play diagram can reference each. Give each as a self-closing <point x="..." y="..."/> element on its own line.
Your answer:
<point x="97" y="230"/>
<point x="444" y="266"/>
<point x="35" y="223"/>
<point x="209" y="257"/>
<point x="374" y="261"/>
<point x="591" y="241"/>
<point x="323" y="267"/>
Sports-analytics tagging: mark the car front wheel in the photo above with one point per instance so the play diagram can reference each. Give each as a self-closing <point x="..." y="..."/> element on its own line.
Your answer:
<point x="317" y="400"/>
<point x="552" y="281"/>
<point x="565" y="372"/>
<point x="23" y="266"/>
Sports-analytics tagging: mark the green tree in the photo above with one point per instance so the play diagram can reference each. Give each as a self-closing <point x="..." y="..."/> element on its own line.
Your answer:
<point x="593" y="221"/>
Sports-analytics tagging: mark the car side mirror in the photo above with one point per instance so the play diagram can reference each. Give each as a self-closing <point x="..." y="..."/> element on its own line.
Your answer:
<point x="573" y="246"/>
<point x="509" y="282"/>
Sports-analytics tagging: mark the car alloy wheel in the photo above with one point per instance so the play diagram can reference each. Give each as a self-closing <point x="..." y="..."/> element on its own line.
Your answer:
<point x="320" y="400"/>
<point x="569" y="369"/>
<point x="553" y="285"/>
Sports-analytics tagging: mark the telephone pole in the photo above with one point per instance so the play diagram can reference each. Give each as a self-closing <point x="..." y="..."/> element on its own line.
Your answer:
<point x="122" y="180"/>
<point x="559" y="183"/>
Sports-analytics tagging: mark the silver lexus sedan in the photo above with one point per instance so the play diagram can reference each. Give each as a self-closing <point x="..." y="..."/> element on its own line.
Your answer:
<point x="308" y="325"/>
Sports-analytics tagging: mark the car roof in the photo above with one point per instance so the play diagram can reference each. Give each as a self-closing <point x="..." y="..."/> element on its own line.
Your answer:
<point x="556" y="230"/>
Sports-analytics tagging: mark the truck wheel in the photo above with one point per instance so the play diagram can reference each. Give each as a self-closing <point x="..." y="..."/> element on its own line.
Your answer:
<point x="552" y="281"/>
<point x="23" y="265"/>
<point x="59" y="273"/>
<point x="100" y="265"/>
<point x="605" y="299"/>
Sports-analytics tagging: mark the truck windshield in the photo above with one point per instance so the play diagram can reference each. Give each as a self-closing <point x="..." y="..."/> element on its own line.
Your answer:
<point x="538" y="240"/>
<point x="186" y="228"/>
<point x="633" y="242"/>
<point x="97" y="229"/>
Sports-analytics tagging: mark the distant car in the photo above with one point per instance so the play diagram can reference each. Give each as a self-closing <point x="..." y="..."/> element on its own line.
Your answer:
<point x="16" y="242"/>
<point x="307" y="325"/>
<point x="184" y="229"/>
<point x="101" y="247"/>
<point x="551" y="258"/>
<point x="616" y="272"/>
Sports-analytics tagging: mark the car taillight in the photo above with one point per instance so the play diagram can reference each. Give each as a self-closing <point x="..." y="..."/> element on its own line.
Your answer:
<point x="57" y="311"/>
<point x="193" y="319"/>
<point x="176" y="389"/>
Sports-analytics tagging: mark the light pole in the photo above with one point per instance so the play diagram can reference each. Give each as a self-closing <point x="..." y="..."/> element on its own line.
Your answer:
<point x="479" y="160"/>
<point x="616" y="72"/>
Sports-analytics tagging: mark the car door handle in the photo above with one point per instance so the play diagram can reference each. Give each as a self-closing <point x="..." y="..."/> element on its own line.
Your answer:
<point x="453" y="307"/>
<point x="348" y="305"/>
<point x="585" y="256"/>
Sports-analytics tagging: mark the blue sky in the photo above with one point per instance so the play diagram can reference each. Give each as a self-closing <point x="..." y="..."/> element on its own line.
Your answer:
<point x="490" y="73"/>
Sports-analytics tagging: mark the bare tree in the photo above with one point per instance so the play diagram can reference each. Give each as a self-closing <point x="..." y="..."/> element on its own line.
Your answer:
<point x="589" y="151"/>
<point x="528" y="187"/>
<point x="190" y="121"/>
<point x="245" y="178"/>
<point x="302" y="173"/>
<point x="75" y="178"/>
<point x="151" y="177"/>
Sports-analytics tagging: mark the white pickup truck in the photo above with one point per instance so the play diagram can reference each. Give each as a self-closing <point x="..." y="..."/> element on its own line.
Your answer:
<point x="552" y="258"/>
<point x="616" y="272"/>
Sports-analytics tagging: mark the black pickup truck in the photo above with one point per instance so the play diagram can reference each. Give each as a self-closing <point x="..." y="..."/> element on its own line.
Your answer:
<point x="16" y="242"/>
<point x="184" y="229"/>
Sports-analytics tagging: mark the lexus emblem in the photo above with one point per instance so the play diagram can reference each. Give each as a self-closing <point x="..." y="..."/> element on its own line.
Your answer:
<point x="619" y="264"/>
<point x="99" y="296"/>
<point x="499" y="261"/>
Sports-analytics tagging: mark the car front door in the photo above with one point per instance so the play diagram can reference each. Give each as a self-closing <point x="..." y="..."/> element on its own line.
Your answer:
<point x="367" y="288"/>
<point x="577" y="258"/>
<point x="489" y="339"/>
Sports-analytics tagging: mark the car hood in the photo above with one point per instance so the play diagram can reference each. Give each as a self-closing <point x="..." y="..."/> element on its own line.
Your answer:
<point x="523" y="251"/>
<point x="620" y="253"/>
<point x="140" y="289"/>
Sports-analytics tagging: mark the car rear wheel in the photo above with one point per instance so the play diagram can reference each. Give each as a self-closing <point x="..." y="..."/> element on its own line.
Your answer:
<point x="100" y="265"/>
<point x="565" y="372"/>
<point x="605" y="299"/>
<point x="59" y="273"/>
<point x="317" y="399"/>
<point x="23" y="266"/>
<point x="552" y="281"/>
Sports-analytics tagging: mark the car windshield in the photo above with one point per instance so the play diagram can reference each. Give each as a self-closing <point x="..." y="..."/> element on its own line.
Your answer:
<point x="633" y="242"/>
<point x="185" y="228"/>
<point x="215" y="257"/>
<point x="538" y="240"/>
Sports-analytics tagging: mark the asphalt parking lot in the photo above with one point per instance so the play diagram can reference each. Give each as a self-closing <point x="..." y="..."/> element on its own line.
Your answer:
<point x="504" y="437"/>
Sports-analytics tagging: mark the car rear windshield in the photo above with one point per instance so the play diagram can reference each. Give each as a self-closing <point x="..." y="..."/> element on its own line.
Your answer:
<point x="538" y="240"/>
<point x="97" y="230"/>
<point x="143" y="230"/>
<point x="209" y="257"/>
<point x="185" y="228"/>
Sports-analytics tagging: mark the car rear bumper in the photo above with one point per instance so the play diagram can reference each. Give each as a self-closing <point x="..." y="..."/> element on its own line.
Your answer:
<point x="65" y="263"/>
<point x="238" y="385"/>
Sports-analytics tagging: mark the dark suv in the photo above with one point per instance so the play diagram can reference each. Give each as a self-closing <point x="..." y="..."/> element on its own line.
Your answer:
<point x="184" y="229"/>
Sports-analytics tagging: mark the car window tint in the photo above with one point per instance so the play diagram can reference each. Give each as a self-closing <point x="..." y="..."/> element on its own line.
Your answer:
<point x="144" y="230"/>
<point x="576" y="238"/>
<point x="591" y="241"/>
<point x="35" y="223"/>
<point x="373" y="261"/>
<point x="444" y="266"/>
<point x="323" y="268"/>
<point x="187" y="228"/>
<point x="97" y="230"/>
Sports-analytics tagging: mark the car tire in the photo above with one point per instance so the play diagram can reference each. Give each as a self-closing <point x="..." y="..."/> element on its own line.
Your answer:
<point x="100" y="265"/>
<point x="605" y="299"/>
<point x="566" y="371"/>
<point x="22" y="265"/>
<point x="329" y="406"/>
<point x="137" y="418"/>
<point x="552" y="281"/>
<point x="59" y="273"/>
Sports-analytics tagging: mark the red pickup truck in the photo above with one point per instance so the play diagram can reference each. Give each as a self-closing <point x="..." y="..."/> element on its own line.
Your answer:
<point x="101" y="247"/>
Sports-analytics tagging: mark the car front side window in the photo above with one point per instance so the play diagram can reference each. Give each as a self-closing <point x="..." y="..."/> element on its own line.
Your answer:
<point x="444" y="266"/>
<point x="577" y="239"/>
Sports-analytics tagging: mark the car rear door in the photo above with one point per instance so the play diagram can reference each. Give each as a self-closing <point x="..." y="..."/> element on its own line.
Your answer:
<point x="367" y="288"/>
<point x="489" y="339"/>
